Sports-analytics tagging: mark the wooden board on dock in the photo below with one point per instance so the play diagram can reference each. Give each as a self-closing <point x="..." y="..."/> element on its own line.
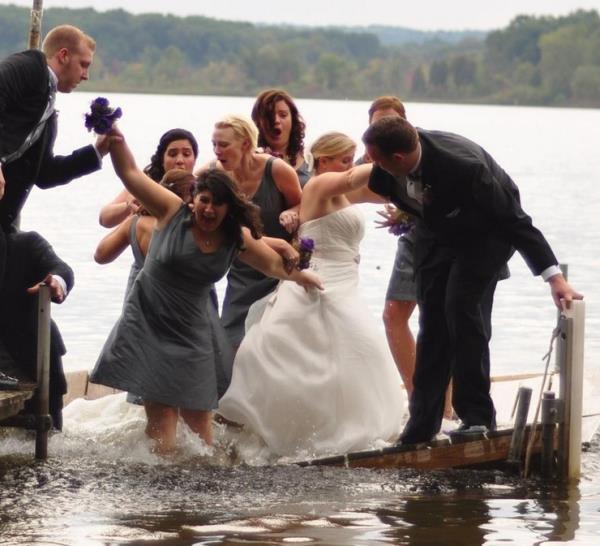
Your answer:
<point x="12" y="402"/>
<point x="440" y="454"/>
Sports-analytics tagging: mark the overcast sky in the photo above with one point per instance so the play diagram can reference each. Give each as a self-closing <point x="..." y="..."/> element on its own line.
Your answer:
<point x="418" y="14"/>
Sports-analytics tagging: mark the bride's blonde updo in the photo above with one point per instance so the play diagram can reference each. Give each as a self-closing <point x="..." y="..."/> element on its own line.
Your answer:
<point x="331" y="145"/>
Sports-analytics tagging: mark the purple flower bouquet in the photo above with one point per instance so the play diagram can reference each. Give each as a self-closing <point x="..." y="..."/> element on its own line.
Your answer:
<point x="400" y="222"/>
<point x="101" y="116"/>
<point x="305" y="247"/>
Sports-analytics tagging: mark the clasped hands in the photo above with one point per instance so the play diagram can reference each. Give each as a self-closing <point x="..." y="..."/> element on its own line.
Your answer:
<point x="103" y="142"/>
<point x="290" y="220"/>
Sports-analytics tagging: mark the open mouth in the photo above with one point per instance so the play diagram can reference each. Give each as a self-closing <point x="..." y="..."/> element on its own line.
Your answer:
<point x="207" y="223"/>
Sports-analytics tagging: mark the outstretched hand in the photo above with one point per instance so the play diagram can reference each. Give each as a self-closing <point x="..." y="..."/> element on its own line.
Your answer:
<point x="56" y="291"/>
<point x="562" y="293"/>
<point x="388" y="214"/>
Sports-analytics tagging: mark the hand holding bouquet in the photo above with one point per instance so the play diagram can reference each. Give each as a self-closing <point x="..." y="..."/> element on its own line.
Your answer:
<point x="305" y="247"/>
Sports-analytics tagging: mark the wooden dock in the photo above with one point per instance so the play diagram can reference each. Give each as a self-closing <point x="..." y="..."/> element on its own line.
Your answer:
<point x="557" y="437"/>
<point x="486" y="449"/>
<point x="12" y="402"/>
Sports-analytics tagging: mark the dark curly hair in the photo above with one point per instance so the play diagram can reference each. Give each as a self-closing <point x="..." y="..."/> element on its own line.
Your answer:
<point x="263" y="115"/>
<point x="156" y="169"/>
<point x="241" y="211"/>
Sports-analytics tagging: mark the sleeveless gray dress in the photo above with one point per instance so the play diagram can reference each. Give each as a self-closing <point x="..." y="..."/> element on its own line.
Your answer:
<point x="164" y="346"/>
<point x="134" y="270"/>
<point x="246" y="285"/>
<point x="138" y="257"/>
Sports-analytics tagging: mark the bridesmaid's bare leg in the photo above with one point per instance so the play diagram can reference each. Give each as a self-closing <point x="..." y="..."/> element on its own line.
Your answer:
<point x="162" y="425"/>
<point x="400" y="339"/>
<point x="200" y="422"/>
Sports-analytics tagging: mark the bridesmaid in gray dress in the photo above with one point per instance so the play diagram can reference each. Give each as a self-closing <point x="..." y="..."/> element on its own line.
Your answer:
<point x="177" y="149"/>
<point x="136" y="232"/>
<point x="161" y="347"/>
<point x="269" y="183"/>
<point x="281" y="129"/>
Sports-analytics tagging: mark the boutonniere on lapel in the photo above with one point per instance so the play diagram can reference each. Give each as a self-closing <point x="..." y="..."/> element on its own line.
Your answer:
<point x="428" y="195"/>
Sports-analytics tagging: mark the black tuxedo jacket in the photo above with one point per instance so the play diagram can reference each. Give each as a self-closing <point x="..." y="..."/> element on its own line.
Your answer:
<point x="469" y="202"/>
<point x="24" y="93"/>
<point x="25" y="259"/>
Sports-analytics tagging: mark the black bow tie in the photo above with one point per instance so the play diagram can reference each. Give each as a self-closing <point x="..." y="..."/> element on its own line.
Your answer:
<point x="415" y="176"/>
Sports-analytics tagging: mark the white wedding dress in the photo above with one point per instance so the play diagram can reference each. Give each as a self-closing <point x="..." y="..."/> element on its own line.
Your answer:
<point x="314" y="375"/>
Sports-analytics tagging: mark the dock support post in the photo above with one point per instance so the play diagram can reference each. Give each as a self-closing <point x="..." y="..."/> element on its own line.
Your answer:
<point x="42" y="405"/>
<point x="570" y="352"/>
<point x="515" y="452"/>
<point x="35" y="26"/>
<point x="551" y="415"/>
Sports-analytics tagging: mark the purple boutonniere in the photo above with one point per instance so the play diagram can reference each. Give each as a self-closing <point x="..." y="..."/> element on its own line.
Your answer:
<point x="305" y="247"/>
<point x="101" y="116"/>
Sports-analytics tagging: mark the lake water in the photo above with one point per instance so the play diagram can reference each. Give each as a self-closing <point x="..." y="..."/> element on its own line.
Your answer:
<point x="104" y="489"/>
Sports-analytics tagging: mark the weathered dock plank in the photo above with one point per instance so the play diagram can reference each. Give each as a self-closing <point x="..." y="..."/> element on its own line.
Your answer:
<point x="12" y="402"/>
<point x="437" y="455"/>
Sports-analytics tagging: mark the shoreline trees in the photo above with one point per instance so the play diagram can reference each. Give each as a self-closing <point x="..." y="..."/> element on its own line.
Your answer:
<point x="550" y="61"/>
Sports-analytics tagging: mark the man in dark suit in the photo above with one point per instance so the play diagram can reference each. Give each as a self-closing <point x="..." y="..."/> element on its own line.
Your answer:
<point x="26" y="260"/>
<point x="28" y="84"/>
<point x="469" y="221"/>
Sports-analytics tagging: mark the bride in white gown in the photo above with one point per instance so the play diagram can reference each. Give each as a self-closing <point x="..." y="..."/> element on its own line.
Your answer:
<point x="314" y="374"/>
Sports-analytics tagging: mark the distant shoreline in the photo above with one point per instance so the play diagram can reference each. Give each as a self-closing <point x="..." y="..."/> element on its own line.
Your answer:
<point x="90" y="88"/>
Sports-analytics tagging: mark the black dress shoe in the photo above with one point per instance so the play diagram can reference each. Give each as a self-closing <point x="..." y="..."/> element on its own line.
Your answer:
<point x="469" y="430"/>
<point x="8" y="383"/>
<point x="412" y="441"/>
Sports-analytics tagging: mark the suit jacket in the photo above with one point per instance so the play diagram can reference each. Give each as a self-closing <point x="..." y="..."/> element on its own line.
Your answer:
<point x="26" y="258"/>
<point x="24" y="94"/>
<point x="469" y="202"/>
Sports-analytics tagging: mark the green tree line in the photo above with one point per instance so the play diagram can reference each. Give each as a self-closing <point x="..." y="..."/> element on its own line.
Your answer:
<point x="535" y="60"/>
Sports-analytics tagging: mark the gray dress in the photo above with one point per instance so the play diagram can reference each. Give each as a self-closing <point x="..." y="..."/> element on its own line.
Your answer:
<point x="134" y="270"/>
<point x="303" y="172"/>
<point x="246" y="285"/>
<point x="138" y="256"/>
<point x="163" y="346"/>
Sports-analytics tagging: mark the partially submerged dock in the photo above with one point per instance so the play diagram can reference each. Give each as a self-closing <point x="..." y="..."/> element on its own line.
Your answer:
<point x="556" y="437"/>
<point x="12" y="401"/>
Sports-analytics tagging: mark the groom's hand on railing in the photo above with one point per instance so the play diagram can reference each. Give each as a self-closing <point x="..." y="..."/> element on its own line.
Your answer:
<point x="562" y="293"/>
<point x="57" y="290"/>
